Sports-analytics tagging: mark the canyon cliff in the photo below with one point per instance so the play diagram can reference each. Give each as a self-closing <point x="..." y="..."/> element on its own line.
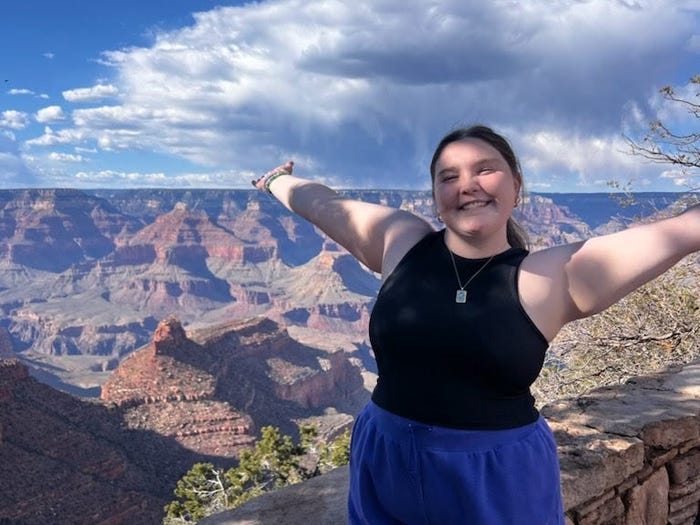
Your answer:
<point x="182" y="398"/>
<point x="63" y="460"/>
<point x="212" y="390"/>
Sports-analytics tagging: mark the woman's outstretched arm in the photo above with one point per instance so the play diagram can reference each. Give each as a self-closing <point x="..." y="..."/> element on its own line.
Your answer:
<point x="573" y="281"/>
<point x="376" y="235"/>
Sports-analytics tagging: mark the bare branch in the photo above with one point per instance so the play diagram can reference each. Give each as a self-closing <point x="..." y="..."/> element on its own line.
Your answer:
<point x="663" y="145"/>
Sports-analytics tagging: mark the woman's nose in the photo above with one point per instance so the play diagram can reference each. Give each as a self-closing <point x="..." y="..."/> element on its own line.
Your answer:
<point x="468" y="183"/>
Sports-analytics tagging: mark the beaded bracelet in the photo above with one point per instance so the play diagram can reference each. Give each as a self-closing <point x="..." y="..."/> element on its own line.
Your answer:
<point x="273" y="176"/>
<point x="263" y="183"/>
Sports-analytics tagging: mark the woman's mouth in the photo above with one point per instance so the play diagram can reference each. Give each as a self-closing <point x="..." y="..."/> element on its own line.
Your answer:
<point x="474" y="204"/>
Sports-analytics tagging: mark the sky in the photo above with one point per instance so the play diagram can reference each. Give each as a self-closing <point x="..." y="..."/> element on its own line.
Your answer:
<point x="209" y="94"/>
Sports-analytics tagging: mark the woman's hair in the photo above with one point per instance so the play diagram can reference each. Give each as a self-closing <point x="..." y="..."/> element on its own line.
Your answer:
<point x="517" y="237"/>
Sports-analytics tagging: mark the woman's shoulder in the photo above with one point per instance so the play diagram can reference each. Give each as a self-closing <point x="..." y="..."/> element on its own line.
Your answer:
<point x="410" y="241"/>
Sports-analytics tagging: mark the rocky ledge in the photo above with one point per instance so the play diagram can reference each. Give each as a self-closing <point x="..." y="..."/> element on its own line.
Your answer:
<point x="630" y="454"/>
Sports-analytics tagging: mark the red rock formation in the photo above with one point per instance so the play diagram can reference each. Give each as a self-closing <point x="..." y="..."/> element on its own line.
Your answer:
<point x="155" y="374"/>
<point x="311" y="388"/>
<point x="52" y="229"/>
<point x="183" y="228"/>
<point x="213" y="390"/>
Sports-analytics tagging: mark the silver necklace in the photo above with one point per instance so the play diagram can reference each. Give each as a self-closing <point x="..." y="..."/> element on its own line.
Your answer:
<point x="461" y="295"/>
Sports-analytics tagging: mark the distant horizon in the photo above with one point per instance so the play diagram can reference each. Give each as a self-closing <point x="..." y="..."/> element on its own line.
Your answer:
<point x="254" y="190"/>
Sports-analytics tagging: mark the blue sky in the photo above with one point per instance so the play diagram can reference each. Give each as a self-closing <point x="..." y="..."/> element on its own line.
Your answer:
<point x="176" y="93"/>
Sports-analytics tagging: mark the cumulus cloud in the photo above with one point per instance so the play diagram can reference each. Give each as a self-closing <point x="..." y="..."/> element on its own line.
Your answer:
<point x="362" y="92"/>
<point x="50" y="114"/>
<point x="14" y="119"/>
<point x="63" y="136"/>
<point x="90" y="94"/>
<point x="286" y="73"/>
<point x="592" y="161"/>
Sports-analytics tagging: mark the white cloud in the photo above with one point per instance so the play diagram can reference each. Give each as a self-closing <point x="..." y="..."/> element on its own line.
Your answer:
<point x="674" y="113"/>
<point x="591" y="160"/>
<point x="322" y="65"/>
<point x="91" y="94"/>
<point x="50" y="114"/>
<point x="133" y="179"/>
<point x="64" y="136"/>
<point x="682" y="178"/>
<point x="117" y="179"/>
<point x="66" y="157"/>
<point x="14" y="119"/>
<point x="85" y="150"/>
<point x="49" y="55"/>
<point x="362" y="92"/>
<point x="16" y="91"/>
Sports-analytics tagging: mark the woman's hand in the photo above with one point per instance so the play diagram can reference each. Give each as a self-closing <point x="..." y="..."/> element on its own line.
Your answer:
<point x="263" y="183"/>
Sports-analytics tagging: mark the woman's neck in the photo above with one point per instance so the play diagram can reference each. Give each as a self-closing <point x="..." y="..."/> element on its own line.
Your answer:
<point x="475" y="248"/>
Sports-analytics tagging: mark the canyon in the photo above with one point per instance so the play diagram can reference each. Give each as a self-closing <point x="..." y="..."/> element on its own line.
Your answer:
<point x="85" y="277"/>
<point x="144" y="330"/>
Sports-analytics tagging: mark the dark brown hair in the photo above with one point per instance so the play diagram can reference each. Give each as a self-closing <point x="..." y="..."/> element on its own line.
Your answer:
<point x="517" y="237"/>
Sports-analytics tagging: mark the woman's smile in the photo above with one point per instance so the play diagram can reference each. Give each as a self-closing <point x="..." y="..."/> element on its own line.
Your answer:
<point x="474" y="204"/>
<point x="475" y="191"/>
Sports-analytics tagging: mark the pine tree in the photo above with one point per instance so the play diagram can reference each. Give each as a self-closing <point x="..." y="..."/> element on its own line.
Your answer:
<point x="274" y="462"/>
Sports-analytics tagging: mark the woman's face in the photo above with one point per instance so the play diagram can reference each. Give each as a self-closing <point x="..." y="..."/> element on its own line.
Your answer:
<point x="475" y="190"/>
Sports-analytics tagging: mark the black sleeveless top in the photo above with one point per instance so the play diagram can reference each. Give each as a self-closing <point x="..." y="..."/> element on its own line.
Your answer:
<point x="467" y="366"/>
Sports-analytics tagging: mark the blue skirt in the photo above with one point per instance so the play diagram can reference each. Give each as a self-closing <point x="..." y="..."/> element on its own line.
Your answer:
<point x="404" y="472"/>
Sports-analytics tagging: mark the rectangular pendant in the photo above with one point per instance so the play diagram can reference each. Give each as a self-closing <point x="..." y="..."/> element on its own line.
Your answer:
<point x="461" y="296"/>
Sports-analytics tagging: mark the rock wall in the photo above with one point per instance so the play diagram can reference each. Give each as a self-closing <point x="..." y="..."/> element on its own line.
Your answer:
<point x="630" y="455"/>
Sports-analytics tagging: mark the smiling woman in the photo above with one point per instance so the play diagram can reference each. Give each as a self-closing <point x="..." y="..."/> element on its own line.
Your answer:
<point x="451" y="434"/>
<point x="483" y="162"/>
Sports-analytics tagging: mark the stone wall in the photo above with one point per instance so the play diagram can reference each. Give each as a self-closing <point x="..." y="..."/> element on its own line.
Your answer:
<point x="630" y="455"/>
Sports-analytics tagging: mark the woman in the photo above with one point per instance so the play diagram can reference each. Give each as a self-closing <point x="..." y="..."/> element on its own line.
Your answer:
<point x="459" y="331"/>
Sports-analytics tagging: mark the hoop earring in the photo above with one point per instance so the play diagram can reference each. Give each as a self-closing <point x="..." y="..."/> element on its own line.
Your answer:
<point x="439" y="219"/>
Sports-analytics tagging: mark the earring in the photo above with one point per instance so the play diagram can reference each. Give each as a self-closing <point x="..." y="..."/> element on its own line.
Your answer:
<point x="439" y="219"/>
<point x="517" y="201"/>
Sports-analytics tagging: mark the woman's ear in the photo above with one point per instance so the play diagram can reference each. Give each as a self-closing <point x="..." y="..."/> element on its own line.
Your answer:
<point x="517" y="185"/>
